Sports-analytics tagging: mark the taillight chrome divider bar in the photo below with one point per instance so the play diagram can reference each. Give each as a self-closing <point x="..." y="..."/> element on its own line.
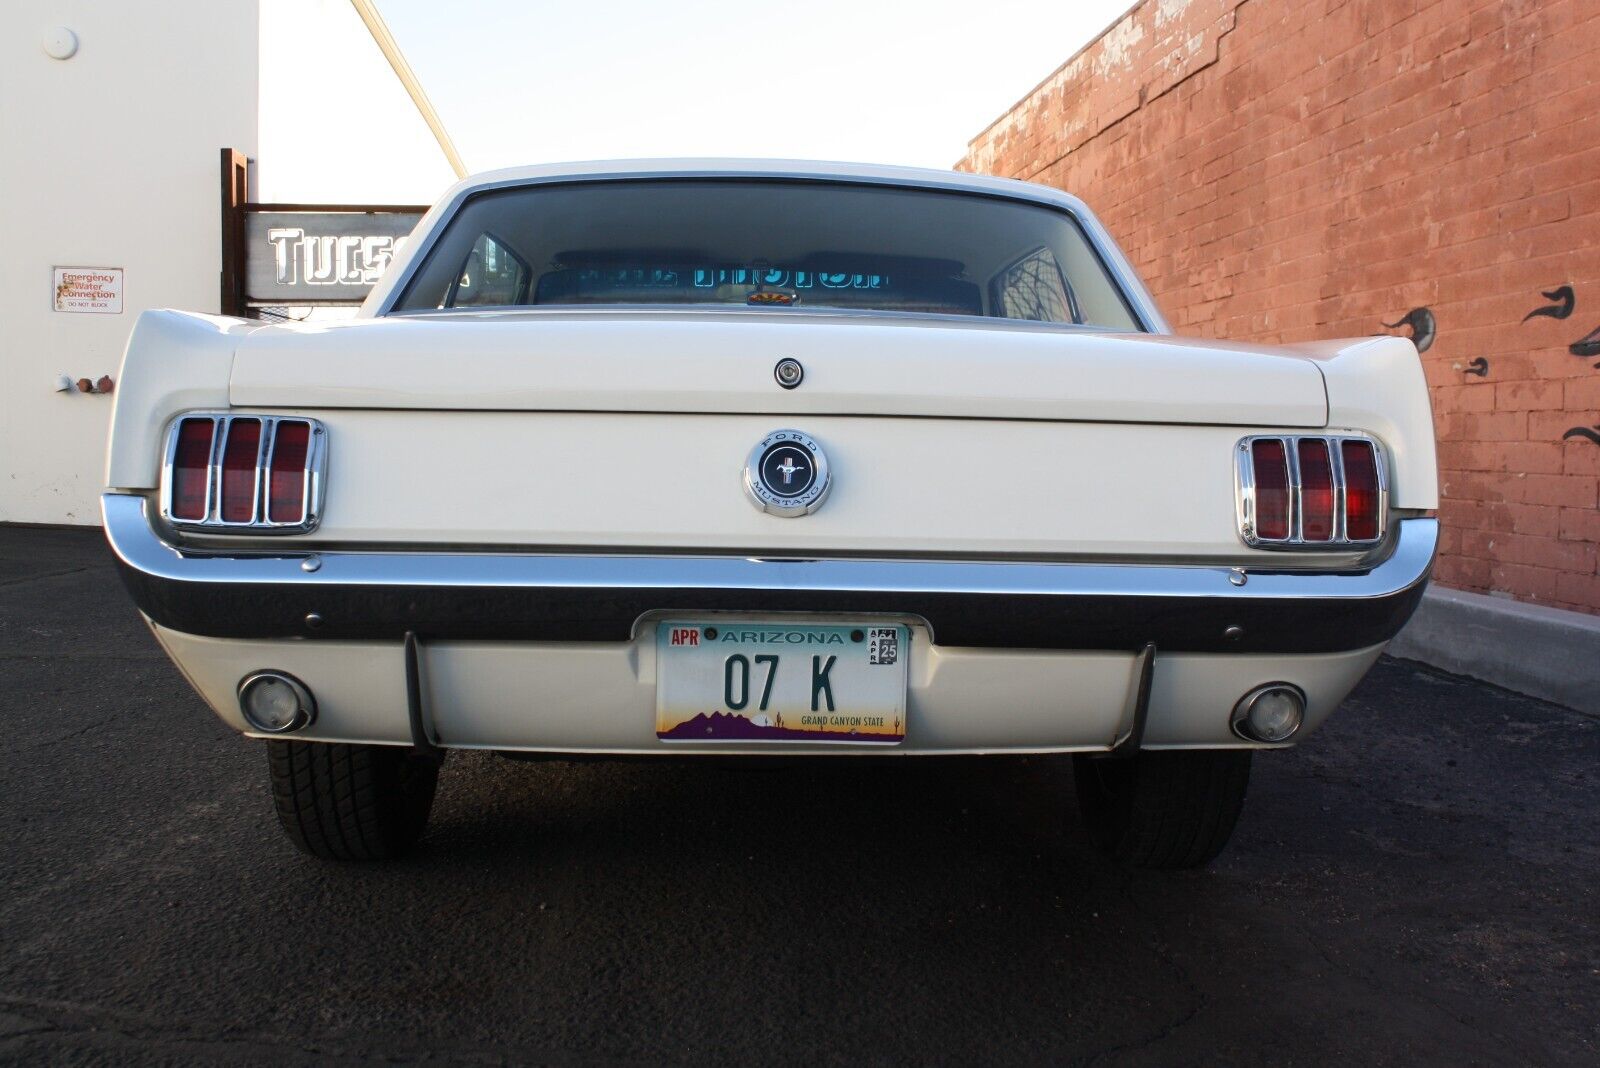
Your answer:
<point x="1245" y="491"/>
<point x="311" y="484"/>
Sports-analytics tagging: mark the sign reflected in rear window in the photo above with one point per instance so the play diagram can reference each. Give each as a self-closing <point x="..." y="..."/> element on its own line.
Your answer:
<point x="767" y="244"/>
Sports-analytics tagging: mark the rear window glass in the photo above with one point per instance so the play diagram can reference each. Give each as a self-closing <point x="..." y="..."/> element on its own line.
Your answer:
<point x="767" y="244"/>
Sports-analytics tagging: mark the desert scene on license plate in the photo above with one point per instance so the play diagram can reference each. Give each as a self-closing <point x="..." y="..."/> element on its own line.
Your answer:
<point x="719" y="726"/>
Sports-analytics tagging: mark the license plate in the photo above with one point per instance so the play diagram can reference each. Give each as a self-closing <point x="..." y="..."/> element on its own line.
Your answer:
<point x="780" y="682"/>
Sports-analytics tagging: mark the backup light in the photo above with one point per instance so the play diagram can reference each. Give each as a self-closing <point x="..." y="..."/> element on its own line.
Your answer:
<point x="276" y="703"/>
<point x="1271" y="713"/>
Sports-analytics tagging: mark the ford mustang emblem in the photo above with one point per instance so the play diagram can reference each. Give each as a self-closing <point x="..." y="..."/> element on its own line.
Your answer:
<point x="786" y="474"/>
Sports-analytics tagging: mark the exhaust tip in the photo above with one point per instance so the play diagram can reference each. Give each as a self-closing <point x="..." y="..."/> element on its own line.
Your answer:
<point x="274" y="702"/>
<point x="1270" y="713"/>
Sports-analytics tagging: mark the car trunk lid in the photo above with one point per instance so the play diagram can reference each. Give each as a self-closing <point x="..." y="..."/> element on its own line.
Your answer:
<point x="662" y="362"/>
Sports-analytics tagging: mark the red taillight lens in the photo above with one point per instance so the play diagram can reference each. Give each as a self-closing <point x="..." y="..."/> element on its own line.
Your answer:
<point x="1316" y="489"/>
<point x="286" y="479"/>
<point x="191" y="469"/>
<point x="239" y="457"/>
<point x="234" y="474"/>
<point x="1271" y="465"/>
<point x="1361" y="519"/>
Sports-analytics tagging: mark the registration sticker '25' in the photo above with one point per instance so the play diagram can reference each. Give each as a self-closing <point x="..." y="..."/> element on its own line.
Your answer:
<point x="883" y="645"/>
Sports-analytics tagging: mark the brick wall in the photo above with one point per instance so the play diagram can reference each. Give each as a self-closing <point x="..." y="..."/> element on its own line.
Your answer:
<point x="1297" y="169"/>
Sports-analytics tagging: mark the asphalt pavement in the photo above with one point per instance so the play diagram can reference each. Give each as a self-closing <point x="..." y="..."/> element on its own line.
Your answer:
<point x="1420" y="883"/>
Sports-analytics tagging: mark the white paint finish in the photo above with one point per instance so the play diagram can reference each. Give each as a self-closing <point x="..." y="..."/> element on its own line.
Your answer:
<point x="562" y="479"/>
<point x="601" y="697"/>
<point x="359" y="687"/>
<point x="1192" y="694"/>
<point x="1056" y="483"/>
<point x="175" y="361"/>
<point x="978" y="699"/>
<point x="110" y="158"/>
<point x="700" y="362"/>
<point x="1379" y="386"/>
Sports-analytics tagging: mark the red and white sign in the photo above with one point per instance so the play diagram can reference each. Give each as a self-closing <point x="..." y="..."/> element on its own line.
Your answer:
<point x="95" y="290"/>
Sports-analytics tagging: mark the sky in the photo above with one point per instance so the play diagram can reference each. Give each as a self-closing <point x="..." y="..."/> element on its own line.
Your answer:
<point x="536" y="82"/>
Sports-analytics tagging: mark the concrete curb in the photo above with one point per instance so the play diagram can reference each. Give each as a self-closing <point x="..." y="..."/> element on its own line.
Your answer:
<point x="1543" y="652"/>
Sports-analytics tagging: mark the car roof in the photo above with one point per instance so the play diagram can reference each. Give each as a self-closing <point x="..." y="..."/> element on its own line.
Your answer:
<point x="921" y="177"/>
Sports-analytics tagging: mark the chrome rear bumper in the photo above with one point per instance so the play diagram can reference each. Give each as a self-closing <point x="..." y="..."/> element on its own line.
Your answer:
<point x="601" y="598"/>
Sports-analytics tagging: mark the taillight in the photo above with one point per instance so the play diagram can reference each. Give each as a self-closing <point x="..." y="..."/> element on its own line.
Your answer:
<point x="1362" y="518"/>
<point x="1271" y="464"/>
<point x="288" y="477"/>
<point x="1316" y="489"/>
<point x="191" y="469"/>
<point x="241" y="455"/>
<point x="243" y="474"/>
<point x="1310" y="492"/>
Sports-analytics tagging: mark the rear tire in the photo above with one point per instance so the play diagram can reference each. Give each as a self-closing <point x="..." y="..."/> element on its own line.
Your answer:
<point x="1162" y="809"/>
<point x="351" y="802"/>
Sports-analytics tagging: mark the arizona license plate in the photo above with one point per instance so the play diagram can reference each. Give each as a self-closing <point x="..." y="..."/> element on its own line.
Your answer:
<point x="780" y="682"/>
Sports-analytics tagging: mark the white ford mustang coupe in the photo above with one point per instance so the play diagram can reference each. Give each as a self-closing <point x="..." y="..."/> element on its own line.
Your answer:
<point x="708" y="458"/>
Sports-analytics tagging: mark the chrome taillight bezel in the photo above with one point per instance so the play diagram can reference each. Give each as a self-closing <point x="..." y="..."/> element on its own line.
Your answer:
<point x="260" y="522"/>
<point x="1245" y="492"/>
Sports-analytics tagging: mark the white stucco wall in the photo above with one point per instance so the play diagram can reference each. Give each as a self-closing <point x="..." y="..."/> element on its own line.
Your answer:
<point x="107" y="159"/>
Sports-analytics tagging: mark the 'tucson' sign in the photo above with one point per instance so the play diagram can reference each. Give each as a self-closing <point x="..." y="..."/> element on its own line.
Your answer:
<point x="312" y="257"/>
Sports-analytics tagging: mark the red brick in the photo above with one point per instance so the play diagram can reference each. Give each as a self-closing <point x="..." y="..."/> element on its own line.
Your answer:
<point x="1582" y="395"/>
<point x="1545" y="552"/>
<point x="1523" y="581"/>
<point x="1571" y="491"/>
<point x="1462" y="514"/>
<point x="1551" y="426"/>
<point x="1581" y="457"/>
<point x="1526" y="396"/>
<point x="1578" y="590"/>
<point x="1463" y="572"/>
<point x="1580" y="524"/>
<point x="1542" y="520"/>
<point x="1482" y="426"/>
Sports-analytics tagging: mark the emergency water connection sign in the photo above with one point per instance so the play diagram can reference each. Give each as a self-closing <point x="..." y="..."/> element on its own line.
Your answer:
<point x="94" y="290"/>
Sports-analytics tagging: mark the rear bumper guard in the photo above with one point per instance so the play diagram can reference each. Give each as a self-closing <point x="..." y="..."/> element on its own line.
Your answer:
<point x="600" y="598"/>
